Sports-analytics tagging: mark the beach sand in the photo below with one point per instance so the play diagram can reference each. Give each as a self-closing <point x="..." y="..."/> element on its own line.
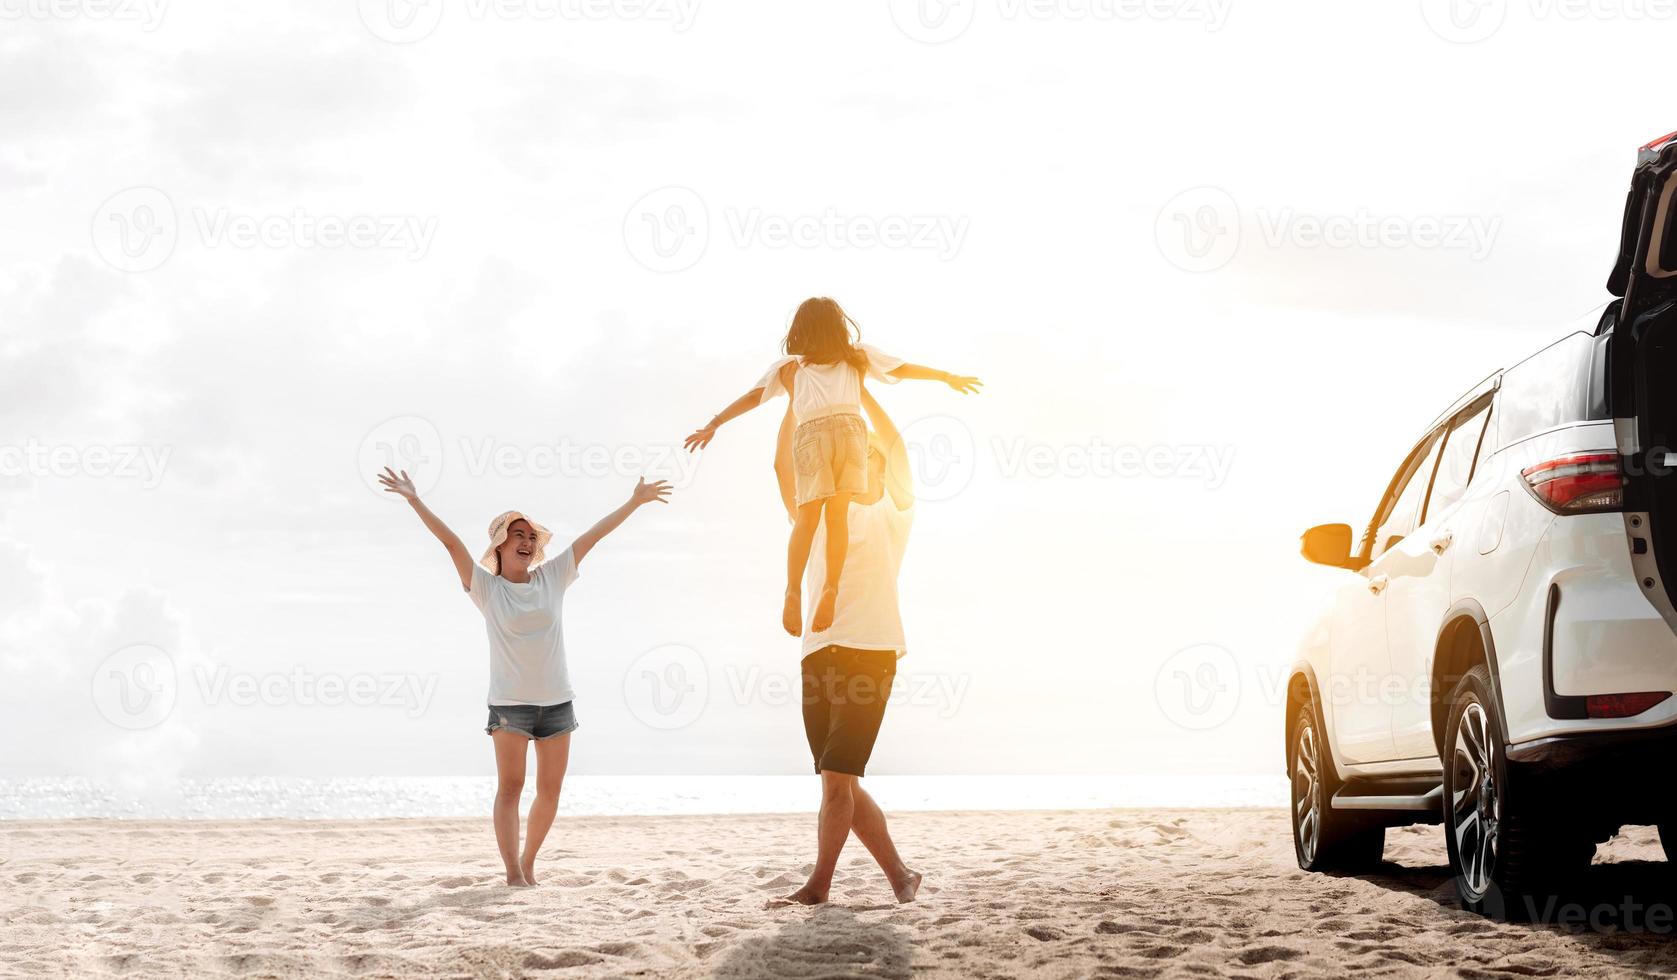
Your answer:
<point x="1093" y="893"/>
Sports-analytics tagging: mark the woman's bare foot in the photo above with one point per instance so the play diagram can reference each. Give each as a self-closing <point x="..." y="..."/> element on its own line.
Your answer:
<point x="908" y="887"/>
<point x="516" y="880"/>
<point x="529" y="873"/>
<point x="823" y="617"/>
<point x="792" y="614"/>
<point x="807" y="895"/>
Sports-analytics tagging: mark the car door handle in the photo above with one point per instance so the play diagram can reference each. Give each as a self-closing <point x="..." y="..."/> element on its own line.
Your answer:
<point x="1442" y="543"/>
<point x="1378" y="584"/>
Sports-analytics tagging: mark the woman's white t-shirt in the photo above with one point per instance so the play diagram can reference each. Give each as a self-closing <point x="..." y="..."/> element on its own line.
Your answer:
<point x="826" y="389"/>
<point x="866" y="616"/>
<point x="526" y="636"/>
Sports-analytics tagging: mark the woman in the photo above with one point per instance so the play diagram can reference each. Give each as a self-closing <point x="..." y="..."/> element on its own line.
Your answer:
<point x="521" y="599"/>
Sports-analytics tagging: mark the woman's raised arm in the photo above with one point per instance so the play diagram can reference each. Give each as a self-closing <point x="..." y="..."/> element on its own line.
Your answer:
<point x="403" y="487"/>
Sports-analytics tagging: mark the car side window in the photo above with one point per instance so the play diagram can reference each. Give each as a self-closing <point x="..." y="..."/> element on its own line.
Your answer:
<point x="1401" y="515"/>
<point x="1457" y="464"/>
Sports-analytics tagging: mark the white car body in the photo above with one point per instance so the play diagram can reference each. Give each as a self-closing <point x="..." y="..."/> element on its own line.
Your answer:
<point x="1511" y="581"/>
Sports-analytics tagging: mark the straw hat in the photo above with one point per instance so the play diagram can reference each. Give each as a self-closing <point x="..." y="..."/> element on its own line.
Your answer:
<point x="498" y="536"/>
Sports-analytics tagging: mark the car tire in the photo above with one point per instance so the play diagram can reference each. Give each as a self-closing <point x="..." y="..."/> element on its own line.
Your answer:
<point x="1507" y="846"/>
<point x="1325" y="839"/>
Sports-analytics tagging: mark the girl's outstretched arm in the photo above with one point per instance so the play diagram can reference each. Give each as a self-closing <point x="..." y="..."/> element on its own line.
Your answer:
<point x="915" y="372"/>
<point x="739" y="406"/>
<point x="644" y="493"/>
<point x="403" y="487"/>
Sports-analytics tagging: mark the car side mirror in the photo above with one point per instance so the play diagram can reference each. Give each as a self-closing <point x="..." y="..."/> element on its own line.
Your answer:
<point x="1328" y="544"/>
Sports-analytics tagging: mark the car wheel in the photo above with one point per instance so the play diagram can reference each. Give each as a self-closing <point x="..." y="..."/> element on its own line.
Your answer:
<point x="1325" y="839"/>
<point x="1507" y="846"/>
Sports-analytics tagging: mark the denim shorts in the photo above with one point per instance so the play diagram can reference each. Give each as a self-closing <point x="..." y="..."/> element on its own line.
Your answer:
<point x="845" y="694"/>
<point x="537" y="721"/>
<point x="829" y="457"/>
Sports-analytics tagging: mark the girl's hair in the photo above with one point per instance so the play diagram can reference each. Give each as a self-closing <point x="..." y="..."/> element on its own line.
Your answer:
<point x="822" y="333"/>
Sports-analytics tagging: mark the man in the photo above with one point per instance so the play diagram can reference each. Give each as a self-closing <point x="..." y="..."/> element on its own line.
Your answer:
<point x="848" y="668"/>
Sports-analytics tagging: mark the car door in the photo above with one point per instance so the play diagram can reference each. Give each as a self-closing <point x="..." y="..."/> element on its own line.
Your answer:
<point x="1360" y="657"/>
<point x="1418" y="595"/>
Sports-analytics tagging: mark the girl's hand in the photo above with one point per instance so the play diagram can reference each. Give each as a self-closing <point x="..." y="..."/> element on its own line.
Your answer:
<point x="700" y="439"/>
<point x="646" y="493"/>
<point x="399" y="485"/>
<point x="963" y="384"/>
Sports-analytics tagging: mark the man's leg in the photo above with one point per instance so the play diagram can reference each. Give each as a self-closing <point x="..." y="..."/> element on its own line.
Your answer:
<point x="832" y="829"/>
<point x="868" y="822"/>
<point x="552" y="756"/>
<point x="509" y="786"/>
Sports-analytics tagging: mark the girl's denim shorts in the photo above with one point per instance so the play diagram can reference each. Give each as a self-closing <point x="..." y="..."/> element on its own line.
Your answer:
<point x="537" y="721"/>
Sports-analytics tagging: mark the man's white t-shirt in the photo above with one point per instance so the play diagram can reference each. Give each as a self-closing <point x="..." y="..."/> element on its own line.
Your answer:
<point x="866" y="616"/>
<point x="526" y="635"/>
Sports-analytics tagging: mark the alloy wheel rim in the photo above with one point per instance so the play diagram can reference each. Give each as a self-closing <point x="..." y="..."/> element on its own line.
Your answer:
<point x="1307" y="793"/>
<point x="1475" y="803"/>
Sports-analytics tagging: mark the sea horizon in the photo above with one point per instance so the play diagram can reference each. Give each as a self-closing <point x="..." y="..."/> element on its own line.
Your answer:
<point x="372" y="798"/>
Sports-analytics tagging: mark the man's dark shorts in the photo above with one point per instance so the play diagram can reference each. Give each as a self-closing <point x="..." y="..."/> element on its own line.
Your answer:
<point x="845" y="692"/>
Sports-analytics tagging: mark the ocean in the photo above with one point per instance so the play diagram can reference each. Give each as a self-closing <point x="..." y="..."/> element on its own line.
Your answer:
<point x="585" y="795"/>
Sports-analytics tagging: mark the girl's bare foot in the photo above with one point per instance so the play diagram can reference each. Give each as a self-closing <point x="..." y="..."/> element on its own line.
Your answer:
<point x="908" y="887"/>
<point x="792" y="614"/>
<point x="823" y="617"/>
<point x="807" y="895"/>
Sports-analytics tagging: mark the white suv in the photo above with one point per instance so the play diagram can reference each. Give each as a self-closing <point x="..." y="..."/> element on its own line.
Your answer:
<point x="1502" y="654"/>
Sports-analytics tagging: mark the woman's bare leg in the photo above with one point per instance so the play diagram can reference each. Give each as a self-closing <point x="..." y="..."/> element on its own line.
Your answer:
<point x="832" y="830"/>
<point x="797" y="556"/>
<point x="509" y="771"/>
<point x="552" y="756"/>
<point x="868" y="822"/>
<point x="836" y="511"/>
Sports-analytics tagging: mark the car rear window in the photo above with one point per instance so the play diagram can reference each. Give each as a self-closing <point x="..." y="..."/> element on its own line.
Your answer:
<point x="1560" y="385"/>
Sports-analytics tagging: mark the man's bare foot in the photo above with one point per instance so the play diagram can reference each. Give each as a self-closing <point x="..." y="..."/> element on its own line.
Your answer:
<point x="807" y="895"/>
<point x="792" y="615"/>
<point x="908" y="888"/>
<point x="516" y="880"/>
<point x="823" y="617"/>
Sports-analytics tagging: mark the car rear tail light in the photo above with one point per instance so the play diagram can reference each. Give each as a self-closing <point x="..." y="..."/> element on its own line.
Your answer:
<point x="1585" y="483"/>
<point x="1622" y="705"/>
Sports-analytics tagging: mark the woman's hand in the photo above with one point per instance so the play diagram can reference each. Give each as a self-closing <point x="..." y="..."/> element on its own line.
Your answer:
<point x="399" y="485"/>
<point x="701" y="438"/>
<point x="646" y="493"/>
<point x="963" y="384"/>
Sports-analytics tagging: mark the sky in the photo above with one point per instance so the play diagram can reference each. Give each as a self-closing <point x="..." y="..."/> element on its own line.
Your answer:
<point x="1217" y="263"/>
